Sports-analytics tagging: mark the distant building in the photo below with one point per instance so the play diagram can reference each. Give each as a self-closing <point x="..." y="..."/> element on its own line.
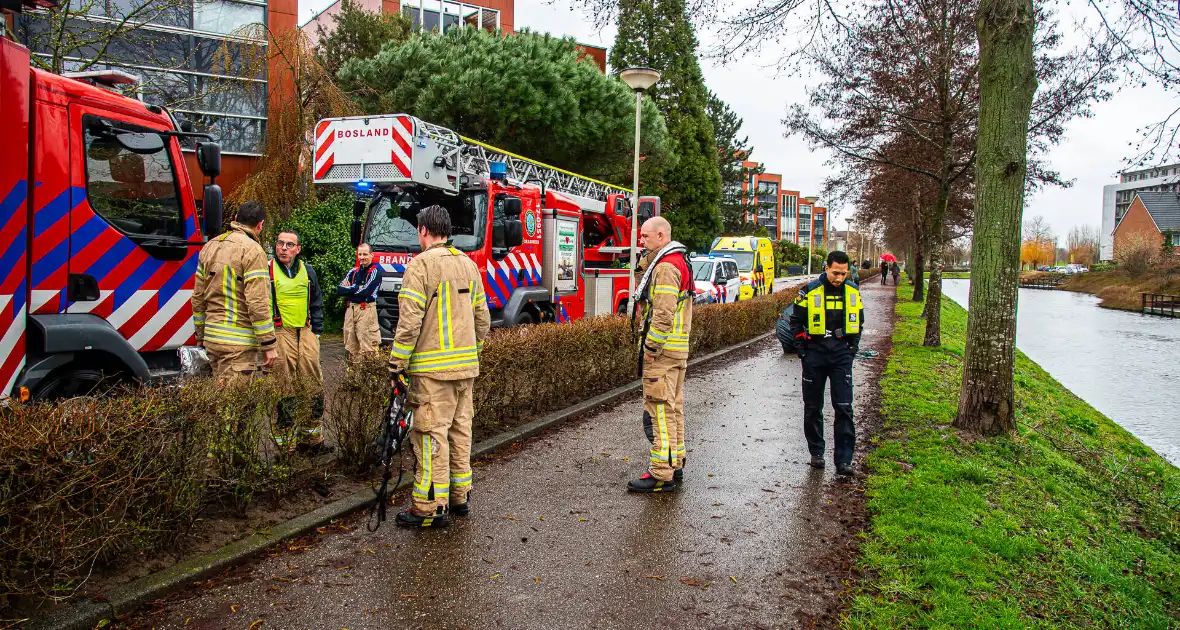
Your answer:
<point x="1155" y="214"/>
<point x="488" y="15"/>
<point x="1117" y="199"/>
<point x="765" y="187"/>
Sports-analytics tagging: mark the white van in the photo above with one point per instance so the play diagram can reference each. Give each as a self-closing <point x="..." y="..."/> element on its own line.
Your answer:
<point x="716" y="278"/>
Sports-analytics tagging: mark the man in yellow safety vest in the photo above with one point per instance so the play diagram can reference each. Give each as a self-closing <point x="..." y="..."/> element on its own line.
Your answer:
<point x="299" y="320"/>
<point x="826" y="324"/>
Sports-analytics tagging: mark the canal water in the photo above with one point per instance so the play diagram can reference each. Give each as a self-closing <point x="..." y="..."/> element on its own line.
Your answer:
<point x="1124" y="364"/>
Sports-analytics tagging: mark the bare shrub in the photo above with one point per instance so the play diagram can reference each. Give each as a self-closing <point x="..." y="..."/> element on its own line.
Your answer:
<point x="1136" y="252"/>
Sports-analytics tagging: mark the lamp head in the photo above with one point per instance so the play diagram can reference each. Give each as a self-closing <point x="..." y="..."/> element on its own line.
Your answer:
<point x="639" y="79"/>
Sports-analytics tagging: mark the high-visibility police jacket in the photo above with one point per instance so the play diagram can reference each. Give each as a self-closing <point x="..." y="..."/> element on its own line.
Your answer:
<point x="827" y="317"/>
<point x="231" y="292"/>
<point x="443" y="316"/>
<point x="669" y="303"/>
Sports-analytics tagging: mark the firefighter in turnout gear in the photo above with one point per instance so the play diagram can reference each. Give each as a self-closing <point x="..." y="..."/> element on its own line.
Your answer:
<point x="665" y="293"/>
<point x="826" y="324"/>
<point x="231" y="299"/>
<point x="299" y="320"/>
<point x="443" y="319"/>
<point x="362" y="333"/>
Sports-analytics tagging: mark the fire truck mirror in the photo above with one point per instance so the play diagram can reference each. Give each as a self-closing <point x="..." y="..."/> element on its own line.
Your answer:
<point x="356" y="233"/>
<point x="209" y="158"/>
<point x="358" y="208"/>
<point x="514" y="232"/>
<point x="513" y="208"/>
<point x="211" y="210"/>
<point x="142" y="143"/>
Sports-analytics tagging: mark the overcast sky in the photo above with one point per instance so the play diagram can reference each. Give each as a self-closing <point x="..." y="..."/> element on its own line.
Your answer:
<point x="1091" y="155"/>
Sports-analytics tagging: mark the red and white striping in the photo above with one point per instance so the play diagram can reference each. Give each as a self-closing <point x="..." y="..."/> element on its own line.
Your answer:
<point x="401" y="134"/>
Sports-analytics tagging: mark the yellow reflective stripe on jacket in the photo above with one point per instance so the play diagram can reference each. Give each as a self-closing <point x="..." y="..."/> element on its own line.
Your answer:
<point x="851" y="310"/>
<point x="401" y="351"/>
<point x="666" y="289"/>
<point x="231" y="335"/>
<point x="658" y="336"/>
<point x="444" y="359"/>
<point x="263" y="327"/>
<point x="198" y="318"/>
<point x="446" y="331"/>
<point x="229" y="283"/>
<point x="413" y="295"/>
<point x="201" y="273"/>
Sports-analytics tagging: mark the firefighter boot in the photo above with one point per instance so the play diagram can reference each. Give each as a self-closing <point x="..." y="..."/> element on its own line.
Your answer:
<point x="647" y="483"/>
<point x="461" y="509"/>
<point x="410" y="518"/>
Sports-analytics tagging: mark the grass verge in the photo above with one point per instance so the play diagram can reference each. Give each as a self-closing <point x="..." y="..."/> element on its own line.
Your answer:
<point x="1070" y="522"/>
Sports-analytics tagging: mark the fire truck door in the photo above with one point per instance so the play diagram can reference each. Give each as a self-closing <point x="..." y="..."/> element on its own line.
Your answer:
<point x="134" y="240"/>
<point x="14" y="190"/>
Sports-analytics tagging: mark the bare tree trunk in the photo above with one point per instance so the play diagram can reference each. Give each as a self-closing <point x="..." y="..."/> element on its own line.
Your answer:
<point x="932" y="311"/>
<point x="1007" y="83"/>
<point x="919" y="276"/>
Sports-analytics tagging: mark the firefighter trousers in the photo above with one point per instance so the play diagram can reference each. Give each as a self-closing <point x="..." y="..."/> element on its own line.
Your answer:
<point x="233" y="363"/>
<point x="362" y="335"/>
<point x="663" y="414"/>
<point x="299" y="361"/>
<point x="834" y="367"/>
<point x="441" y="439"/>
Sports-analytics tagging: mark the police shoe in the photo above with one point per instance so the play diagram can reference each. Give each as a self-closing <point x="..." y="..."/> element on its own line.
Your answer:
<point x="817" y="461"/>
<point x="647" y="483"/>
<point x="410" y="518"/>
<point x="845" y="470"/>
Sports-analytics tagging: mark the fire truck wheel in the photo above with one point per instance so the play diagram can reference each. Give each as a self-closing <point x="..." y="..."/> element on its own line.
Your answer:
<point x="524" y="317"/>
<point x="76" y="382"/>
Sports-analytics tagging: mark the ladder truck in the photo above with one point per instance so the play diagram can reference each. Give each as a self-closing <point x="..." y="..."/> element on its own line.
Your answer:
<point x="551" y="245"/>
<point x="99" y="232"/>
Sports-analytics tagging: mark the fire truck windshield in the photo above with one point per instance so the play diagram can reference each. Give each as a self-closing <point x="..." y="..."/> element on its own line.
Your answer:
<point x="393" y="219"/>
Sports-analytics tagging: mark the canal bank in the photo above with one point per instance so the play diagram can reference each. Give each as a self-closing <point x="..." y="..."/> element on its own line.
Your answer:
<point x="1070" y="522"/>
<point x="1126" y="365"/>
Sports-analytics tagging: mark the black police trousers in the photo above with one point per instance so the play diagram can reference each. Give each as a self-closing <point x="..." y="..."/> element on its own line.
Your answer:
<point x="820" y="367"/>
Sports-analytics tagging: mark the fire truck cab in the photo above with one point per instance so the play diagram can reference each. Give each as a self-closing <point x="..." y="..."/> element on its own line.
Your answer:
<point x="551" y="245"/>
<point x="99" y="232"/>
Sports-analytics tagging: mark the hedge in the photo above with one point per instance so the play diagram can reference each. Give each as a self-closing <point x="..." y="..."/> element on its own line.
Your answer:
<point x="91" y="479"/>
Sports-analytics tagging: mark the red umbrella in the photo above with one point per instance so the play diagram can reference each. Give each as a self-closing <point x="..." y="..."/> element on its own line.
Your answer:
<point x="889" y="258"/>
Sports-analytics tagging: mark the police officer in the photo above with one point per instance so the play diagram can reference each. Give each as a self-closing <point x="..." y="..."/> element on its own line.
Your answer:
<point x="299" y="320"/>
<point x="443" y="319"/>
<point x="359" y="289"/>
<point x="665" y="293"/>
<point x="231" y="299"/>
<point x="826" y="324"/>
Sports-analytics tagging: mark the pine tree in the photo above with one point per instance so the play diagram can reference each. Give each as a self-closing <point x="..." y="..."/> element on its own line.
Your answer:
<point x="658" y="34"/>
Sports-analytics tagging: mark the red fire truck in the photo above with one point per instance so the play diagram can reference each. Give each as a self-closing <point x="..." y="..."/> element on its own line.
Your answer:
<point x="551" y="244"/>
<point x="98" y="232"/>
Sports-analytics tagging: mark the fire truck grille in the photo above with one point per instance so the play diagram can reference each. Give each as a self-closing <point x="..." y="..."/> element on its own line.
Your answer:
<point x="381" y="172"/>
<point x="349" y="172"/>
<point x="387" y="314"/>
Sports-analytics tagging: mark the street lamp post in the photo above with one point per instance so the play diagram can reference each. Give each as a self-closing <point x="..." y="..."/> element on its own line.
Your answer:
<point x="638" y="79"/>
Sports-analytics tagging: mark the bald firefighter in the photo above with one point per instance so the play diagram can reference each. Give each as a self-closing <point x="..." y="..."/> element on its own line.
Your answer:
<point x="231" y="299"/>
<point x="443" y="319"/>
<point x="664" y="293"/>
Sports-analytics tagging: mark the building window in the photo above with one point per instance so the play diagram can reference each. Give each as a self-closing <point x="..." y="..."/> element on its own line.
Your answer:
<point x="1176" y="239"/>
<point x="134" y="192"/>
<point x="454" y="15"/>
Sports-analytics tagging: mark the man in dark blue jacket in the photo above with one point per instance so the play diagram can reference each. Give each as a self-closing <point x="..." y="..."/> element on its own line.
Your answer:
<point x="359" y="288"/>
<point x="826" y="325"/>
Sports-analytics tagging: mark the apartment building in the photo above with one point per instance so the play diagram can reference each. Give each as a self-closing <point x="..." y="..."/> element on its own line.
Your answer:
<point x="1117" y="198"/>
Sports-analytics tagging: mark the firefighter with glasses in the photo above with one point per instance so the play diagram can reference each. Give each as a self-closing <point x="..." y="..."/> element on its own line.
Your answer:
<point x="443" y="319"/>
<point x="299" y="320"/>
<point x="665" y="293"/>
<point x="231" y="299"/>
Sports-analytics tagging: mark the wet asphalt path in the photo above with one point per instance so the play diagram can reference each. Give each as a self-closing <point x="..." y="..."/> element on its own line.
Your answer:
<point x="555" y="542"/>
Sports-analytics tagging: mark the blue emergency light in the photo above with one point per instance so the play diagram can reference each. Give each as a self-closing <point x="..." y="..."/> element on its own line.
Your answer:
<point x="498" y="171"/>
<point x="363" y="186"/>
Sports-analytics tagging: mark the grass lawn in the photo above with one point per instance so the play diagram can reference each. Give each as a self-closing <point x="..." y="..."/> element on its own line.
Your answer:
<point x="953" y="275"/>
<point x="1072" y="522"/>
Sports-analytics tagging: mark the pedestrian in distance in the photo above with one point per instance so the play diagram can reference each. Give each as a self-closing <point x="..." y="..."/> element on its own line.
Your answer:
<point x="443" y="320"/>
<point x="895" y="270"/>
<point x="362" y="335"/>
<point x="299" y="321"/>
<point x="826" y="325"/>
<point x="664" y="293"/>
<point x="884" y="273"/>
<point x="231" y="300"/>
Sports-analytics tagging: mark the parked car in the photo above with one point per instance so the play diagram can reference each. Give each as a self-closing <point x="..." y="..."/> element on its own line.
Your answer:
<point x="716" y="279"/>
